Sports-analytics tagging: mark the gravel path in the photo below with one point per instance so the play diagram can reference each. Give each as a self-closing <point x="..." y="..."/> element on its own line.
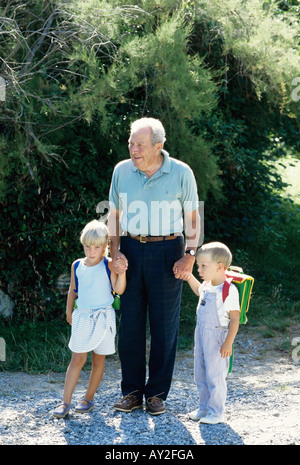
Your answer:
<point x="263" y="406"/>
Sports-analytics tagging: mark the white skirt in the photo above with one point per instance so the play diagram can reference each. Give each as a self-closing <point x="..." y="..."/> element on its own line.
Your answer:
<point x="93" y="330"/>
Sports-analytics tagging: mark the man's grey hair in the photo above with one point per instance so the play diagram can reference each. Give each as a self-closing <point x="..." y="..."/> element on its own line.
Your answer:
<point x="158" y="133"/>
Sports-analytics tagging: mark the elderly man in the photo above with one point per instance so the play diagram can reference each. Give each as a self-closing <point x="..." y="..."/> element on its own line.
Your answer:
<point x="153" y="201"/>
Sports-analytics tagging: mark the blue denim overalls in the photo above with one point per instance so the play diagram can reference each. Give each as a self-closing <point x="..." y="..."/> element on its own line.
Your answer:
<point x="210" y="369"/>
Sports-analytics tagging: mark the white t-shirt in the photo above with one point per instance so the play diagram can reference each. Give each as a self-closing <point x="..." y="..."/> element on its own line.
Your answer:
<point x="231" y="302"/>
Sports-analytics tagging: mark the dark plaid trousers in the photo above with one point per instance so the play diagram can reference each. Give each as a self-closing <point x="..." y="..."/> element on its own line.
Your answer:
<point x="152" y="287"/>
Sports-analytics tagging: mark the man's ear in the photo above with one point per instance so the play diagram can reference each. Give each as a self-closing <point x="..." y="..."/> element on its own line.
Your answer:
<point x="159" y="146"/>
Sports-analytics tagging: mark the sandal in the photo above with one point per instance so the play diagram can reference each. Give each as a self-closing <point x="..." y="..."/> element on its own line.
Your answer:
<point x="84" y="408"/>
<point x="62" y="410"/>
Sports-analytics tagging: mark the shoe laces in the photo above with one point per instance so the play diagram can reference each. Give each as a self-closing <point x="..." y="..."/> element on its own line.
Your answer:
<point x="129" y="395"/>
<point x="155" y="398"/>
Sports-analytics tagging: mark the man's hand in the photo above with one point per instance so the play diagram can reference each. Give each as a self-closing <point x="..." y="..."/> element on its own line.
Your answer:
<point x="183" y="268"/>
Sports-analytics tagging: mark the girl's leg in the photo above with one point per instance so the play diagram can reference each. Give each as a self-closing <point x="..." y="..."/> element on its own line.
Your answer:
<point x="72" y="375"/>
<point x="98" y="362"/>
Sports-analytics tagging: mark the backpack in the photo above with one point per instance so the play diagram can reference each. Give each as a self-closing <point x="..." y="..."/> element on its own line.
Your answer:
<point x="244" y="284"/>
<point x="117" y="300"/>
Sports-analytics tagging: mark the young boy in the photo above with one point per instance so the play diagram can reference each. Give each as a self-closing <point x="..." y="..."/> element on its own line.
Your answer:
<point x="217" y="326"/>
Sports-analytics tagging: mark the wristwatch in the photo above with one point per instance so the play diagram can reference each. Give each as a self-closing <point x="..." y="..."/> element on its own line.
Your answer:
<point x="191" y="252"/>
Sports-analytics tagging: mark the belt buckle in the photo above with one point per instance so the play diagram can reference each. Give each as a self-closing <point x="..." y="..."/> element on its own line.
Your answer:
<point x="143" y="241"/>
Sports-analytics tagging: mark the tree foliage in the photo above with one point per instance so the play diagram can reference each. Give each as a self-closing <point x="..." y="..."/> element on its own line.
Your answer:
<point x="218" y="74"/>
<point x="264" y="41"/>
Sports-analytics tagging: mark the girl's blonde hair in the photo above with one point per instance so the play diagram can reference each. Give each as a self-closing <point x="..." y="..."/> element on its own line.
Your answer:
<point x="219" y="252"/>
<point x="94" y="233"/>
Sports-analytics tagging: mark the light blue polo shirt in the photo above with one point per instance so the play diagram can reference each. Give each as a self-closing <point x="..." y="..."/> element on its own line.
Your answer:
<point x="155" y="206"/>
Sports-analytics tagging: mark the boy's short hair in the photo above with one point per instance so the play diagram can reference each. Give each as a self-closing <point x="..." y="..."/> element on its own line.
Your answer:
<point x="219" y="252"/>
<point x="94" y="233"/>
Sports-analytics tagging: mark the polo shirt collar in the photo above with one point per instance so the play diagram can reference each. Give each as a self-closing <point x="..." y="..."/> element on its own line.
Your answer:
<point x="166" y="167"/>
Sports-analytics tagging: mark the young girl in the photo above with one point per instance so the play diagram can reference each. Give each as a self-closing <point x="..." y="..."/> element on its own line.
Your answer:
<point x="93" y="321"/>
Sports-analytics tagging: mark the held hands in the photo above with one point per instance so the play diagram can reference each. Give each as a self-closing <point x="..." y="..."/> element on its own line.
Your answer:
<point x="120" y="263"/>
<point x="183" y="268"/>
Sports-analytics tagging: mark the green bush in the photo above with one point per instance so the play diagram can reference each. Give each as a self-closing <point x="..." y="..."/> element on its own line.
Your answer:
<point x="78" y="73"/>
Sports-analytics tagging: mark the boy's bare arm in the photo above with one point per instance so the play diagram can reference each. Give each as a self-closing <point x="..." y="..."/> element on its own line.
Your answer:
<point x="194" y="284"/>
<point x="226" y="349"/>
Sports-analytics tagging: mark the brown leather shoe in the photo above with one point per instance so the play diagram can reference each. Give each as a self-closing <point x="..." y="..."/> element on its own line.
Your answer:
<point x="128" y="404"/>
<point x="155" y="405"/>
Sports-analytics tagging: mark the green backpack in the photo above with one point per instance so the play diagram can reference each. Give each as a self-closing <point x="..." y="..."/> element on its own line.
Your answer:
<point x="244" y="284"/>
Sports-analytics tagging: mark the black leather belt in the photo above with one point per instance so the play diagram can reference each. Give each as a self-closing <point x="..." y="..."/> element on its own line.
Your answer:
<point x="144" y="239"/>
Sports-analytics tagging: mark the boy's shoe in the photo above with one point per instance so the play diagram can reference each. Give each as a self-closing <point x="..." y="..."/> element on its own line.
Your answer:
<point x="155" y="405"/>
<point x="211" y="419"/>
<point x="196" y="415"/>
<point x="61" y="410"/>
<point x="128" y="404"/>
<point x="84" y="407"/>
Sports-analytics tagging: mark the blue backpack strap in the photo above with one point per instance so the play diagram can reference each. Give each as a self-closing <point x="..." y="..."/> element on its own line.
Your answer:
<point x="107" y="270"/>
<point x="116" y="303"/>
<point x="76" y="264"/>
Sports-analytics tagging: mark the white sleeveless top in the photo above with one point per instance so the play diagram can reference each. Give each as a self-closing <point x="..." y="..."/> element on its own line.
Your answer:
<point x="94" y="290"/>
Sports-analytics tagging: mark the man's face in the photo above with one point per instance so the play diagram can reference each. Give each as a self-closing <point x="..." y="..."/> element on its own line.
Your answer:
<point x="142" y="152"/>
